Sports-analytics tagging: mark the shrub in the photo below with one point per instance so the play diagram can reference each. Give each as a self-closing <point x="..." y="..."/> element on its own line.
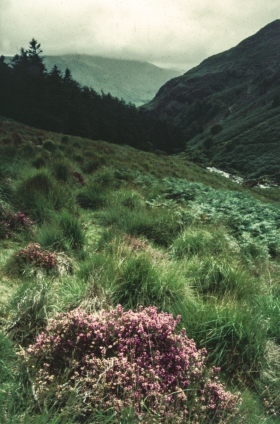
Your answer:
<point x="17" y="222"/>
<point x="78" y="177"/>
<point x="34" y="255"/>
<point x="127" y="359"/>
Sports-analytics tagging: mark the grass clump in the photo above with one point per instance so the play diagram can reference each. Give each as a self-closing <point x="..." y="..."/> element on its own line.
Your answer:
<point x="158" y="226"/>
<point x="61" y="169"/>
<point x="139" y="282"/>
<point x="72" y="230"/>
<point x="199" y="241"/>
<point x="234" y="335"/>
<point x="106" y="178"/>
<point x="40" y="195"/>
<point x="222" y="277"/>
<point x="29" y="310"/>
<point x="39" y="162"/>
<point x="50" y="146"/>
<point x="91" y="197"/>
<point x="50" y="236"/>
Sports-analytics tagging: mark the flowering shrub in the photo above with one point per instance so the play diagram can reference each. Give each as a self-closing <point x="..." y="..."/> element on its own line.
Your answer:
<point x="128" y="359"/>
<point x="14" y="222"/>
<point x="34" y="255"/>
<point x="79" y="177"/>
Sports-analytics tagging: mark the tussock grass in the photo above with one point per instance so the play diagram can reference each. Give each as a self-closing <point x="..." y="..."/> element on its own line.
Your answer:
<point x="72" y="230"/>
<point x="50" y="236"/>
<point x="61" y="169"/>
<point x="141" y="282"/>
<point x="92" y="197"/>
<point x="29" y="312"/>
<point x="199" y="241"/>
<point x="158" y="226"/>
<point x="220" y="276"/>
<point x="39" y="195"/>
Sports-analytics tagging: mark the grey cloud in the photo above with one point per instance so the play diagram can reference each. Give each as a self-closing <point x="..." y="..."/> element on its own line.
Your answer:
<point x="161" y="31"/>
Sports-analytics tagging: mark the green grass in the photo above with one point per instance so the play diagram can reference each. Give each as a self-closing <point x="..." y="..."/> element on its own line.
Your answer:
<point x="71" y="229"/>
<point x="195" y="245"/>
<point x="28" y="308"/>
<point x="91" y="197"/>
<point x="50" y="236"/>
<point x="39" y="195"/>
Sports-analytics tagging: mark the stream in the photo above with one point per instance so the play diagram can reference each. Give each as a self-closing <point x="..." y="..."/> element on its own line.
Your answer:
<point x="239" y="180"/>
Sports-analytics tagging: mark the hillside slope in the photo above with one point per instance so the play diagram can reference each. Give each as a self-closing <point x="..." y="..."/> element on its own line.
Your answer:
<point x="134" y="81"/>
<point x="229" y="106"/>
<point x="89" y="228"/>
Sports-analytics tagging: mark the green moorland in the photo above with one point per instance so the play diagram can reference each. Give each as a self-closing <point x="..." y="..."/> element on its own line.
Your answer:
<point x="86" y="226"/>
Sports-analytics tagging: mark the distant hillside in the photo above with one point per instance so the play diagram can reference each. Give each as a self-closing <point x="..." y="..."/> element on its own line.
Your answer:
<point x="134" y="81"/>
<point x="229" y="106"/>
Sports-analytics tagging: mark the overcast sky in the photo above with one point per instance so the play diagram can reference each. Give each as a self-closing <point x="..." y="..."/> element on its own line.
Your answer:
<point x="178" y="33"/>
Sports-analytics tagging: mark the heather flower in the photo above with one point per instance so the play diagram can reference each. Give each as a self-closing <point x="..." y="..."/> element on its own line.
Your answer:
<point x="132" y="359"/>
<point x="17" y="222"/>
<point x="34" y="255"/>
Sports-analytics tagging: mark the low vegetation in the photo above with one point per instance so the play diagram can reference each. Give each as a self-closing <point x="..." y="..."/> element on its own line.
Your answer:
<point x="134" y="287"/>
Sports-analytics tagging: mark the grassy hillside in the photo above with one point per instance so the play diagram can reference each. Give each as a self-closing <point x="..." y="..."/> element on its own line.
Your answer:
<point x="86" y="226"/>
<point x="228" y="106"/>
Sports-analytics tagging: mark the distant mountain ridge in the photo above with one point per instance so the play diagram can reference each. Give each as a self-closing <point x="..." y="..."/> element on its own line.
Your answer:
<point x="229" y="106"/>
<point x="133" y="81"/>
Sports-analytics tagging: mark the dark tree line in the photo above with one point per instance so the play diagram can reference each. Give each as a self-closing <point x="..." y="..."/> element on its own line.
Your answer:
<point x="56" y="102"/>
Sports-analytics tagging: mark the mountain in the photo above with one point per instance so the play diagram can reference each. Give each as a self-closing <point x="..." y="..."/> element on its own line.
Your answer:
<point x="134" y="81"/>
<point x="229" y="106"/>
